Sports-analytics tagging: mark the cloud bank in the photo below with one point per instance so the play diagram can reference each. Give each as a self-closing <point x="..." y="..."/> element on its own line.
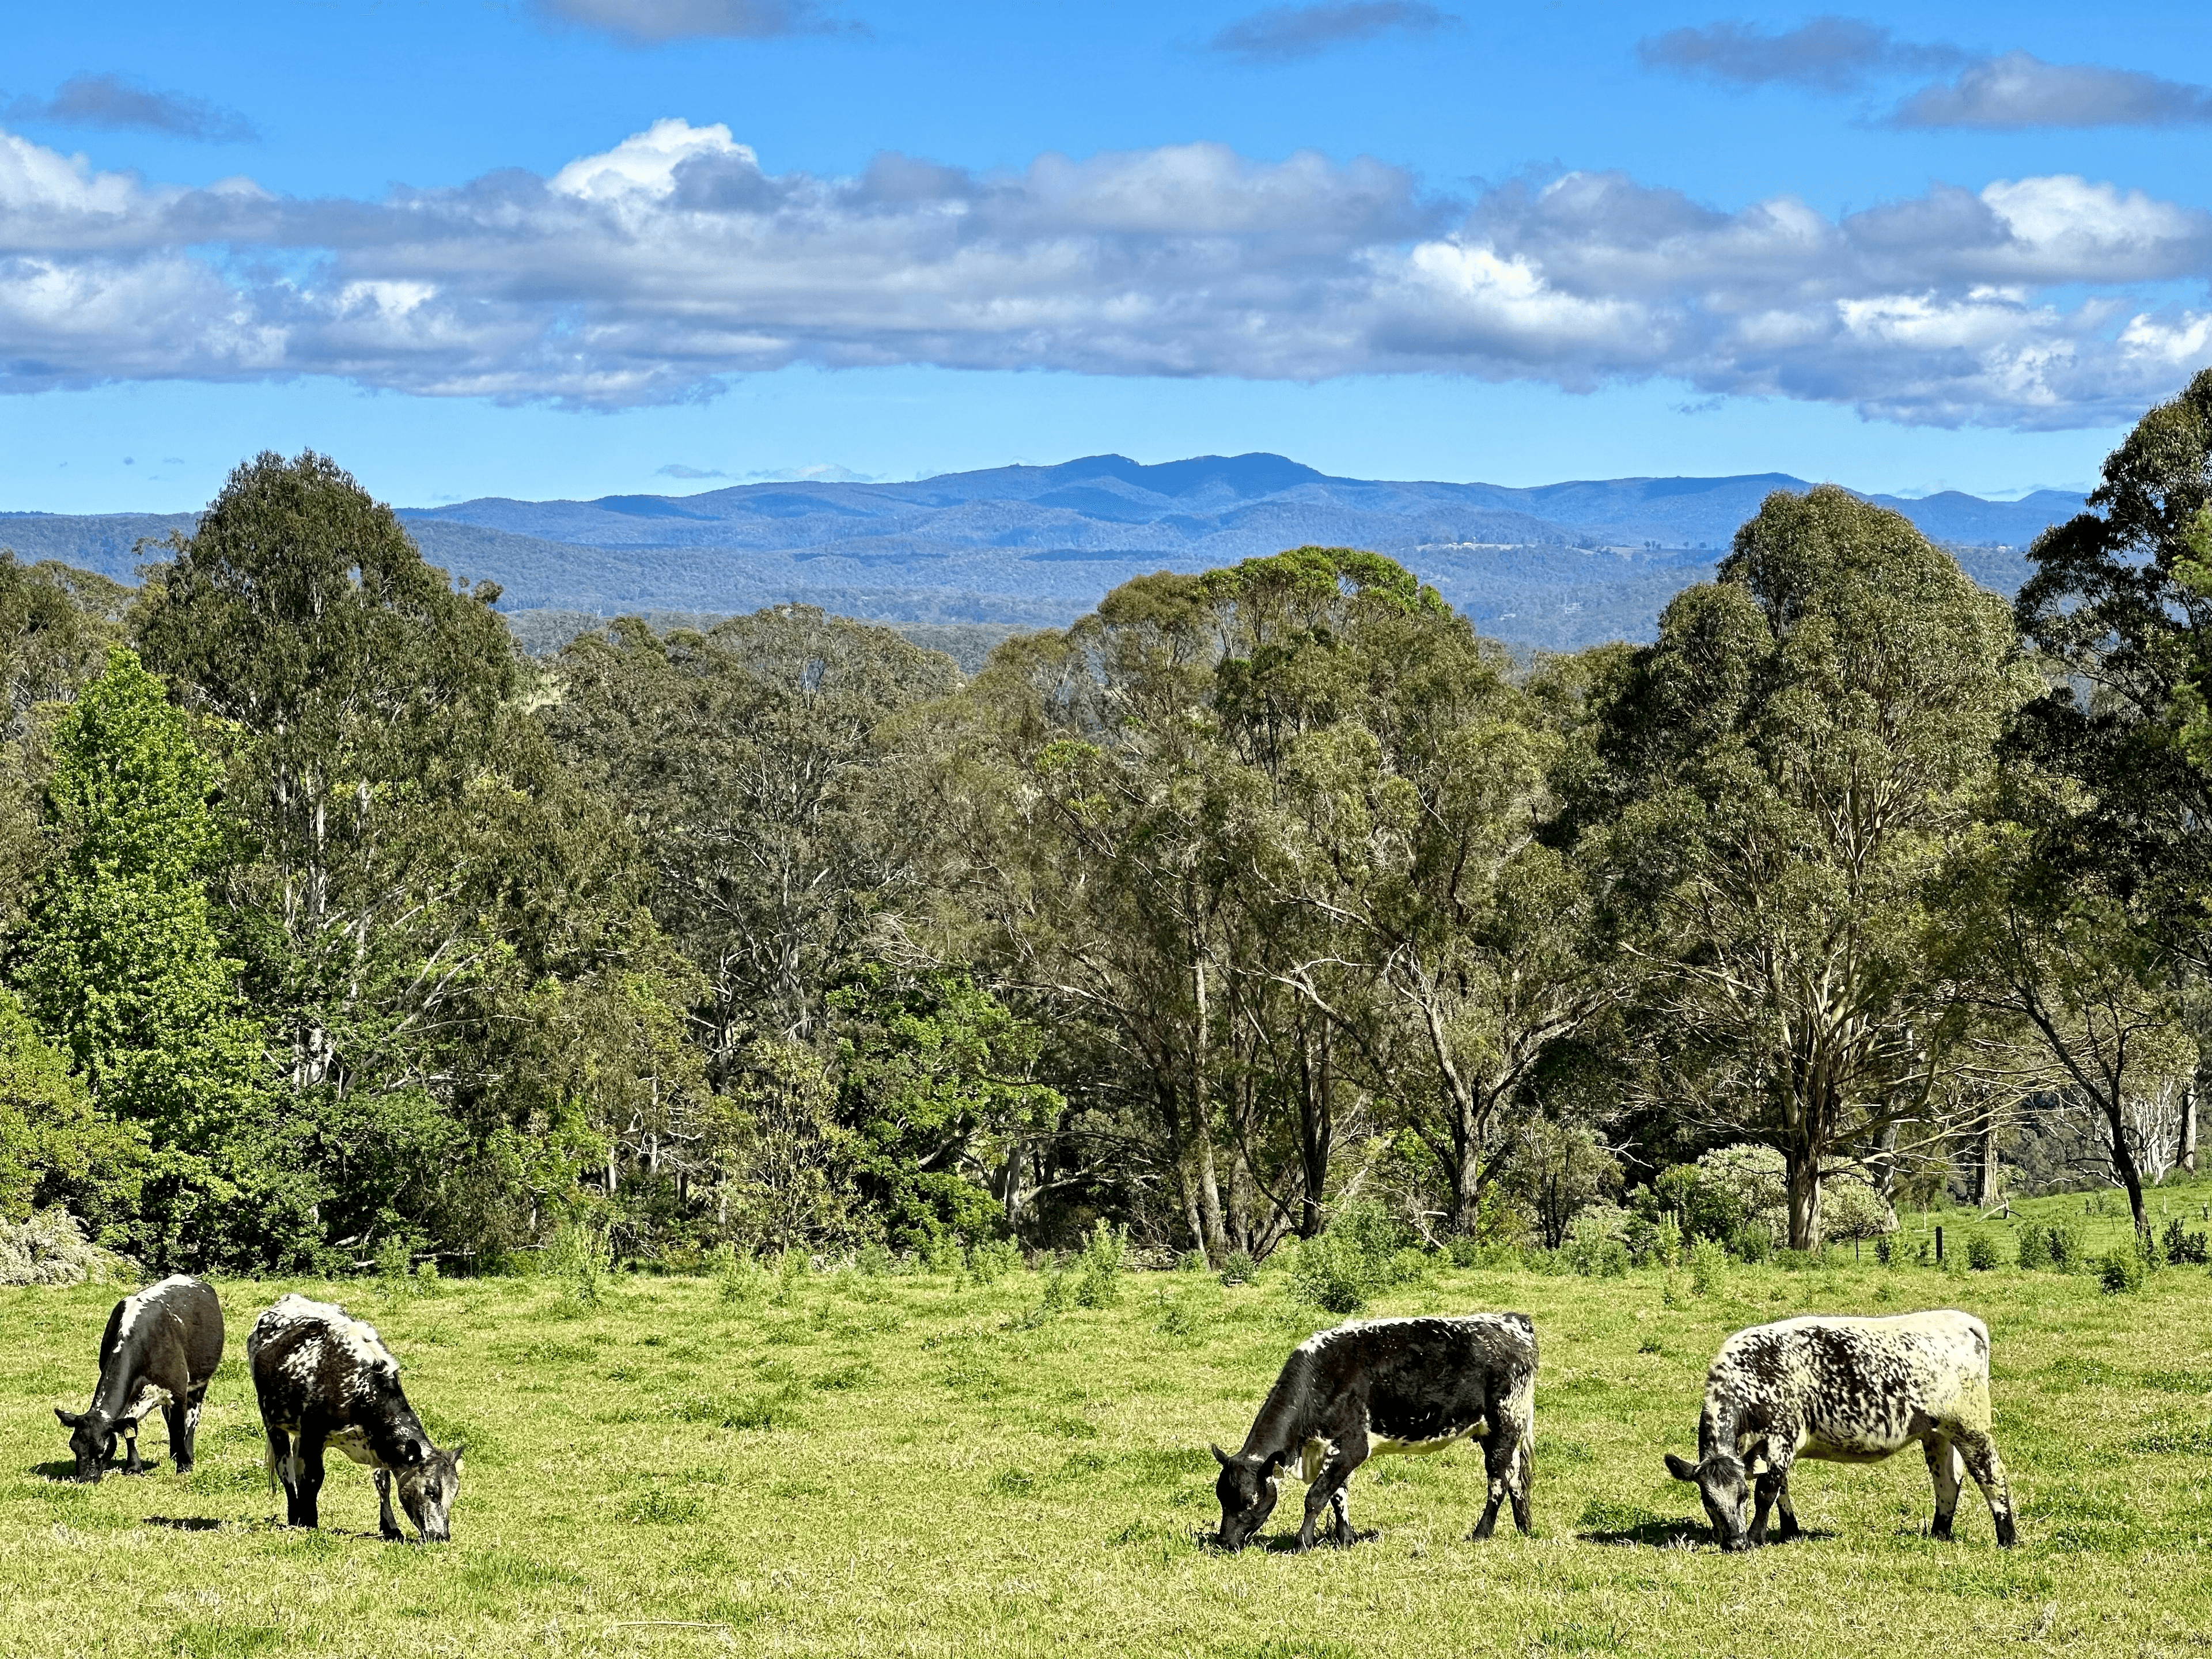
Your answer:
<point x="111" y="101"/>
<point x="658" y="268"/>
<point x="1286" y="35"/>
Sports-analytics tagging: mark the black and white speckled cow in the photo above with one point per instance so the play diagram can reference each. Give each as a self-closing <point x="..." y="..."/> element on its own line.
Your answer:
<point x="326" y="1379"/>
<point x="1844" y="1390"/>
<point x="1388" y="1385"/>
<point x="160" y="1348"/>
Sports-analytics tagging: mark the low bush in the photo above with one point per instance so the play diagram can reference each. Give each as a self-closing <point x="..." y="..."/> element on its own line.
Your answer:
<point x="2068" y="1253"/>
<point x="2121" y="1270"/>
<point x="2034" y="1248"/>
<point x="2185" y="1248"/>
<point x="1707" y="1267"/>
<point x="1238" y="1267"/>
<point x="1364" y="1251"/>
<point x="993" y="1260"/>
<point x="1753" y="1243"/>
<point x="1885" y="1250"/>
<point x="1981" y="1253"/>
<point x="1099" y="1267"/>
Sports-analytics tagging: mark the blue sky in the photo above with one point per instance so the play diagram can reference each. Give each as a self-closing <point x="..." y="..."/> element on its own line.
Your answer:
<point x="566" y="247"/>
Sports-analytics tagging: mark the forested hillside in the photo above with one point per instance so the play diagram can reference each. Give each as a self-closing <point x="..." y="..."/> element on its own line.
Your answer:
<point x="338" y="926"/>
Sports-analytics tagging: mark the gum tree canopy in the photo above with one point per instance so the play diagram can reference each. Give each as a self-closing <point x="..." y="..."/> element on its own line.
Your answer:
<point x="1790" y="759"/>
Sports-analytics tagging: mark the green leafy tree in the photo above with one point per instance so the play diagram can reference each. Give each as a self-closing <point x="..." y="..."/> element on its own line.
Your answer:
<point x="120" y="965"/>
<point x="935" y="1081"/>
<point x="56" y="1147"/>
<point x="1788" y="765"/>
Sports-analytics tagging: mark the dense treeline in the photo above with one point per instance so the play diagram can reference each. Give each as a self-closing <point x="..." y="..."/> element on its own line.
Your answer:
<point x="337" y="926"/>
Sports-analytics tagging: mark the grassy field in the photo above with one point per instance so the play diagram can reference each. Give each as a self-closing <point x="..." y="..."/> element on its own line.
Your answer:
<point x="842" y="1463"/>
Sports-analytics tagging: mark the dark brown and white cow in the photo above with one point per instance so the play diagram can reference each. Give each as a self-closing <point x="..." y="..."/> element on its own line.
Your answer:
<point x="1388" y="1385"/>
<point x="160" y="1348"/>
<point x="1844" y="1390"/>
<point x="324" y="1379"/>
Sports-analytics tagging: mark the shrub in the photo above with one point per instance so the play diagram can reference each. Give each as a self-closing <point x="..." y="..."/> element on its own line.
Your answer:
<point x="1099" y="1267"/>
<point x="1464" y="1251"/>
<point x="1191" y="1261"/>
<point x="1981" y="1253"/>
<point x="874" y="1259"/>
<point x="1363" y="1252"/>
<point x="579" y="1254"/>
<point x="2120" y="1270"/>
<point x="1707" y="1267"/>
<point x="1754" y="1242"/>
<point x="2185" y="1248"/>
<point x="1651" y="1243"/>
<point x="740" y="1279"/>
<point x="2069" y="1253"/>
<point x="1885" y="1250"/>
<point x="1237" y="1267"/>
<point x="993" y="1260"/>
<point x="2034" y="1249"/>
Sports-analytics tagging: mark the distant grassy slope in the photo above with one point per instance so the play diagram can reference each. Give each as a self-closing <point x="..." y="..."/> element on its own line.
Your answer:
<point x="911" y="1466"/>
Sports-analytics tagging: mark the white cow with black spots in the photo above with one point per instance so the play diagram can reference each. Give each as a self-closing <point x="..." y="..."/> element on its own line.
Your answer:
<point x="326" y="1379"/>
<point x="1844" y="1390"/>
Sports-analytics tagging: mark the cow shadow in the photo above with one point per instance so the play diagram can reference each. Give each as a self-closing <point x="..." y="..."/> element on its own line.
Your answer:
<point x="1287" y="1543"/>
<point x="184" y="1522"/>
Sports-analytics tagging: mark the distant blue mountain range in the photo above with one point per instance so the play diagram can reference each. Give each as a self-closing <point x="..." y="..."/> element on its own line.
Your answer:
<point x="1557" y="566"/>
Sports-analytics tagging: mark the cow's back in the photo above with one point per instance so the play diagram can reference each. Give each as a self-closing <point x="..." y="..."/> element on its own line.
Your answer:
<point x="315" y="1358"/>
<point x="1425" y="1379"/>
<point x="1855" y="1383"/>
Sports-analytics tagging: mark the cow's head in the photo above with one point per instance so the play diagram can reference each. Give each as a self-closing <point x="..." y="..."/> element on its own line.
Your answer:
<point x="1248" y="1488"/>
<point x="1720" y="1481"/>
<point x="429" y="1481"/>
<point x="92" y="1439"/>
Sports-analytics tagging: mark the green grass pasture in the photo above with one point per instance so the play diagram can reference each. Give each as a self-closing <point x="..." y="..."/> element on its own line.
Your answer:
<point x="907" y="1465"/>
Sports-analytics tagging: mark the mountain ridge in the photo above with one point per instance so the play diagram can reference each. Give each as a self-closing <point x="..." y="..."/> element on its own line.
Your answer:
<point x="1550" y="566"/>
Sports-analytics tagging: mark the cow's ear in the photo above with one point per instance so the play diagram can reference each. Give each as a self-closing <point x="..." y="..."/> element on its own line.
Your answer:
<point x="458" y="1450"/>
<point x="1219" y="1455"/>
<point x="69" y="1420"/>
<point x="1680" y="1468"/>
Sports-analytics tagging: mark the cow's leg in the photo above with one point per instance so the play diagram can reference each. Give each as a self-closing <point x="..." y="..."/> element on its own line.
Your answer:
<point x="1943" y="1469"/>
<point x="177" y="1414"/>
<point x="1347" y="1454"/>
<point x="1501" y="1457"/>
<point x="1773" y="1493"/>
<point x="1989" y="1472"/>
<point x="308" y="1467"/>
<point x="1771" y="1485"/>
<point x="280" y="1464"/>
<point x="130" y="1463"/>
<point x="182" y="1449"/>
<point x="1340" y="1502"/>
<point x="1523" y="1477"/>
<point x="387" y="1523"/>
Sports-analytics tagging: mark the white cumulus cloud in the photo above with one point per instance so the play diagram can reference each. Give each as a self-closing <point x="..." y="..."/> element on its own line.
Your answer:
<point x="660" y="267"/>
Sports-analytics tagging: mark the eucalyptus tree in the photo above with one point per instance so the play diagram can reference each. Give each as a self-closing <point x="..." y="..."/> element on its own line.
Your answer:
<point x="1786" y="769"/>
<point x="1421" y="837"/>
<point x="761" y="766"/>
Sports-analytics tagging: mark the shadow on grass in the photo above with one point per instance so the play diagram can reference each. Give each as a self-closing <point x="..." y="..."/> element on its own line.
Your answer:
<point x="184" y="1522"/>
<point x="1284" y="1543"/>
<point x="1681" y="1533"/>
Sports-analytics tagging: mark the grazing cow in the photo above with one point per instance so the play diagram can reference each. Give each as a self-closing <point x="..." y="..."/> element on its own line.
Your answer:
<point x="1388" y="1385"/>
<point x="325" y="1379"/>
<point x="160" y="1348"/>
<point x="1844" y="1390"/>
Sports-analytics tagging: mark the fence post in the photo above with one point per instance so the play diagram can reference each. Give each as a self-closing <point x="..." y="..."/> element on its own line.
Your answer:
<point x="1939" y="1247"/>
